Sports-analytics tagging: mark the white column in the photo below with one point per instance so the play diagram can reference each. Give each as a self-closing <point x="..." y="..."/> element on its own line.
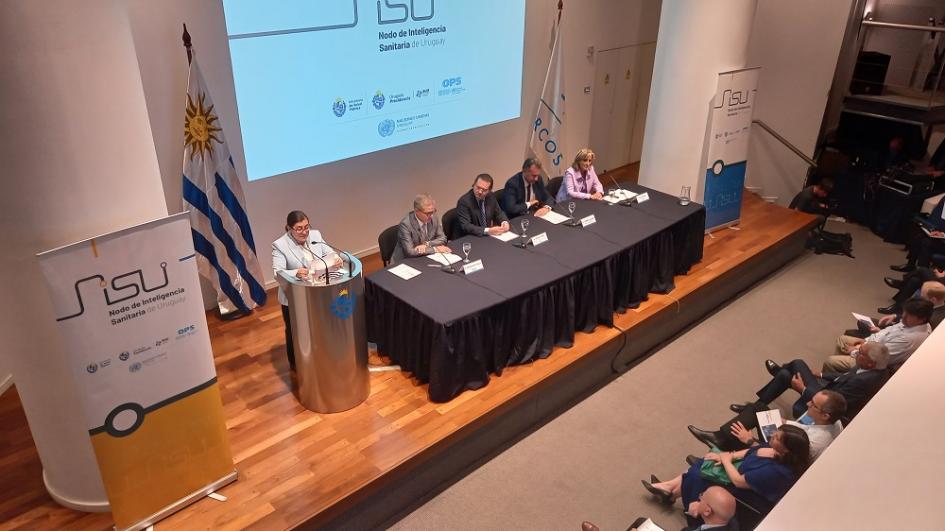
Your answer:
<point x="78" y="161"/>
<point x="697" y="40"/>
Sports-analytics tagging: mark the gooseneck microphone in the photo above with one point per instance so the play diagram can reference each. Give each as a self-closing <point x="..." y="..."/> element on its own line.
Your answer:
<point x="625" y="202"/>
<point x="447" y="267"/>
<point x="346" y="254"/>
<point x="323" y="261"/>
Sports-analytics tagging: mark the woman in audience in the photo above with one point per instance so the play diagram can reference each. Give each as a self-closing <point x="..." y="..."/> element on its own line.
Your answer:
<point x="580" y="181"/>
<point x="765" y="473"/>
<point x="299" y="252"/>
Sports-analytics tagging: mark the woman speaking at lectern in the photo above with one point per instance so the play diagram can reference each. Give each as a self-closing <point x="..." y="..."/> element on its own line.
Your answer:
<point x="297" y="253"/>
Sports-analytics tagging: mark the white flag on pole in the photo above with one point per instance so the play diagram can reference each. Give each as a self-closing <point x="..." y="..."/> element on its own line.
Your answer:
<point x="213" y="193"/>
<point x="547" y="136"/>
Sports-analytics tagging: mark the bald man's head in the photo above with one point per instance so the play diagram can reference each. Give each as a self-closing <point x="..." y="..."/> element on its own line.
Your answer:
<point x="716" y="506"/>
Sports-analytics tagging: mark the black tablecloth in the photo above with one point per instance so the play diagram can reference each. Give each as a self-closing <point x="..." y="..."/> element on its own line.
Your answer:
<point x="454" y="330"/>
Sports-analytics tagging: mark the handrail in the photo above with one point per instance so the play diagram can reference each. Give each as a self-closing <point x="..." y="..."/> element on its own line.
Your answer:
<point x="914" y="27"/>
<point x="810" y="162"/>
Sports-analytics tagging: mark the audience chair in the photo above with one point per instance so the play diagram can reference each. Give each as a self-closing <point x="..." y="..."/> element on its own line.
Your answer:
<point x="553" y="185"/>
<point x="387" y="242"/>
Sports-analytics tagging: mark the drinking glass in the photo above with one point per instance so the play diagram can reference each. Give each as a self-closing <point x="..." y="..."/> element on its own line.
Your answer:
<point x="684" y="197"/>
<point x="466" y="248"/>
<point x="571" y="206"/>
<point x="610" y="192"/>
<point x="524" y="227"/>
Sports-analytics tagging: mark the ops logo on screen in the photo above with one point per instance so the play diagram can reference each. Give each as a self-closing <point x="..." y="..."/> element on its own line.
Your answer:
<point x="386" y="127"/>
<point x="339" y="107"/>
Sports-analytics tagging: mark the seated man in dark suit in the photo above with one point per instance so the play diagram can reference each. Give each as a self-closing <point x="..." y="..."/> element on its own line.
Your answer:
<point x="922" y="246"/>
<point x="715" y="510"/>
<point x="478" y="211"/>
<point x="525" y="192"/>
<point x="420" y="232"/>
<point x="857" y="385"/>
<point x="813" y="198"/>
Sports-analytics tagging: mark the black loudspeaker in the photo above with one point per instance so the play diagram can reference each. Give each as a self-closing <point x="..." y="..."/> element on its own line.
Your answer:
<point x="869" y="74"/>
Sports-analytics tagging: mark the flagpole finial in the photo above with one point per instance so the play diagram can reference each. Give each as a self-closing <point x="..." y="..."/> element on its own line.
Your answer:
<point x="188" y="45"/>
<point x="560" y="7"/>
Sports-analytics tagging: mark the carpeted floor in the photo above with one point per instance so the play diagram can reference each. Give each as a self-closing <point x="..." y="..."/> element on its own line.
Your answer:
<point x="587" y="464"/>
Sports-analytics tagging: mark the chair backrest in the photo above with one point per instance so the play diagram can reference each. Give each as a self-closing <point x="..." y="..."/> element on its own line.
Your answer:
<point x="498" y="196"/>
<point x="553" y="185"/>
<point x="449" y="224"/>
<point x="386" y="242"/>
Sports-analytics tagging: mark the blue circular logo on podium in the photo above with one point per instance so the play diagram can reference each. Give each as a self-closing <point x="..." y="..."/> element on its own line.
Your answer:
<point x="343" y="305"/>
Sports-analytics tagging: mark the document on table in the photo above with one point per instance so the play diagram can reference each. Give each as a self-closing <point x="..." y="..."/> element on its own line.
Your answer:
<point x="444" y="258"/>
<point x="505" y="236"/>
<point x="929" y="233"/>
<point x="404" y="271"/>
<point x="619" y="195"/>
<point x="554" y="218"/>
<point x="648" y="525"/>
<point x="863" y="318"/>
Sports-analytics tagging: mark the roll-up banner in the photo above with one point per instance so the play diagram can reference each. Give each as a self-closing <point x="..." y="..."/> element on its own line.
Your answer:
<point x="129" y="309"/>
<point x="730" y="127"/>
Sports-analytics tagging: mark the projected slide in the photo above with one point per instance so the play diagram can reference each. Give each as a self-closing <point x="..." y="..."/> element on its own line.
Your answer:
<point x="324" y="80"/>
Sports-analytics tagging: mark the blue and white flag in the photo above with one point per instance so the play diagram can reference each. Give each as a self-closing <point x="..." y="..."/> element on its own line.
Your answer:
<point x="213" y="193"/>
<point x="547" y="137"/>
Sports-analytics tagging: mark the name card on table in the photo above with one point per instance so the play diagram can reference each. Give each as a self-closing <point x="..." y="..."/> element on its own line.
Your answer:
<point x="588" y="220"/>
<point x="472" y="267"/>
<point x="404" y="271"/>
<point x="540" y="238"/>
<point x="645" y="196"/>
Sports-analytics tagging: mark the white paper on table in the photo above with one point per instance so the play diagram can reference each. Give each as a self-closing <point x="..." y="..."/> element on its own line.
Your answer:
<point x="554" y="218"/>
<point x="444" y="258"/>
<point x="619" y="195"/>
<point x="648" y="525"/>
<point x="863" y="318"/>
<point x="505" y="236"/>
<point x="612" y="199"/>
<point x="768" y="422"/>
<point x="404" y="271"/>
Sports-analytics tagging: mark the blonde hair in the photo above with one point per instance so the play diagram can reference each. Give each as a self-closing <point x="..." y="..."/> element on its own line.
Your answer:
<point x="584" y="154"/>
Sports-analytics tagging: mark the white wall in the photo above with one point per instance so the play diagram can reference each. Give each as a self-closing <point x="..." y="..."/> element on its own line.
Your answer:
<point x="796" y="45"/>
<point x="351" y="201"/>
<point x="78" y="161"/>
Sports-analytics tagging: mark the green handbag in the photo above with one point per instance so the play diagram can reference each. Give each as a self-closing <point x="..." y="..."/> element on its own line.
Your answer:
<point x="715" y="472"/>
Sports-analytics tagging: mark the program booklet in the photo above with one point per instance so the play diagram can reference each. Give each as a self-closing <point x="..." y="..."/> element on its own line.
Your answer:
<point x="768" y="422"/>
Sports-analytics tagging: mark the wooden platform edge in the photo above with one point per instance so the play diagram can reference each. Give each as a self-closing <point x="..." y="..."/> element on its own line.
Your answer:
<point x="412" y="483"/>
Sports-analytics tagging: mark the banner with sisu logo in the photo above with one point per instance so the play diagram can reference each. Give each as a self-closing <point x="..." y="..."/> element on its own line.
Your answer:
<point x="128" y="306"/>
<point x="730" y="125"/>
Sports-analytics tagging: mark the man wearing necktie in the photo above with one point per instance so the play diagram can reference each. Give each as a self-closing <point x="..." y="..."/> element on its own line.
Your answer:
<point x="525" y="192"/>
<point x="478" y="211"/>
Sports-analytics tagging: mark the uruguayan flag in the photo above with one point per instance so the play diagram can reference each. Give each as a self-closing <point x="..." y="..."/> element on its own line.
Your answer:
<point x="222" y="236"/>
<point x="548" y="125"/>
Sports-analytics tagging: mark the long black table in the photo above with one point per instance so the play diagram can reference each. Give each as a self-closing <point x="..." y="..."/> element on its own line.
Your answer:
<point x="454" y="330"/>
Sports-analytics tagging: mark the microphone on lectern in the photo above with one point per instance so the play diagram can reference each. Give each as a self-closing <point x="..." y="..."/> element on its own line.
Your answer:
<point x="323" y="261"/>
<point x="346" y="254"/>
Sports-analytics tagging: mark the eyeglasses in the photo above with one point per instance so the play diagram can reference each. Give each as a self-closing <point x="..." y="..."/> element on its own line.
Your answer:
<point x="300" y="230"/>
<point x="481" y="189"/>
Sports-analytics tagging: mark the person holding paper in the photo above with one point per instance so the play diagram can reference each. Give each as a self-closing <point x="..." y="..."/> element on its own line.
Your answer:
<point x="295" y="253"/>
<point x="821" y="422"/>
<point x="525" y="192"/>
<point x="580" y="181"/>
<point x="763" y="477"/>
<point x="420" y="232"/>
<point x="478" y="211"/>
<point x="902" y="338"/>
<point x="928" y="238"/>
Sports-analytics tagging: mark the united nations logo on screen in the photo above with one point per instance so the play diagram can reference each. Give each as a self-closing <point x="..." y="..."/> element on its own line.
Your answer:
<point x="343" y="305"/>
<point x="386" y="127"/>
<point x="339" y="107"/>
<point x="378" y="100"/>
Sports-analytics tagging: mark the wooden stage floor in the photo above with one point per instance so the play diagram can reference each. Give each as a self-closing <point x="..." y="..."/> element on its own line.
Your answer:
<point x="299" y="468"/>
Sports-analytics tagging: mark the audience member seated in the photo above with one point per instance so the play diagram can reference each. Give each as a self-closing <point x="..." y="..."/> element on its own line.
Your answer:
<point x="923" y="245"/>
<point x="813" y="200"/>
<point x="765" y="474"/>
<point x="478" y="211"/>
<point x="934" y="292"/>
<point x="857" y="385"/>
<point x="525" y="192"/>
<point x="715" y="508"/>
<point x="821" y="422"/>
<point x="902" y="338"/>
<point x="420" y="232"/>
<point x="912" y="281"/>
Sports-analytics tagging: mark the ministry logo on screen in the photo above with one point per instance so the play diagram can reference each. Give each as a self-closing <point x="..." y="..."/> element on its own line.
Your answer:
<point x="378" y="100"/>
<point x="339" y="107"/>
<point x="386" y="127"/>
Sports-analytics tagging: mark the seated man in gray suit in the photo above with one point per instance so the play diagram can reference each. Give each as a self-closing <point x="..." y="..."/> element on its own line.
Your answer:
<point x="420" y="232"/>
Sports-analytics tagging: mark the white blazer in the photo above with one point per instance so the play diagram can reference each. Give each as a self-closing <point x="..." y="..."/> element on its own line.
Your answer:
<point x="288" y="256"/>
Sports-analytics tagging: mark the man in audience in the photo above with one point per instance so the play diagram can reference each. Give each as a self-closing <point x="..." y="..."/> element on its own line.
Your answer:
<point x="912" y="281"/>
<point x="925" y="243"/>
<point x="934" y="292"/>
<point x="420" y="232"/>
<point x="902" y="338"/>
<point x="821" y="422"/>
<point x="715" y="508"/>
<point x="857" y="385"/>
<point x="478" y="211"/>
<point x="813" y="200"/>
<point x="525" y="192"/>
